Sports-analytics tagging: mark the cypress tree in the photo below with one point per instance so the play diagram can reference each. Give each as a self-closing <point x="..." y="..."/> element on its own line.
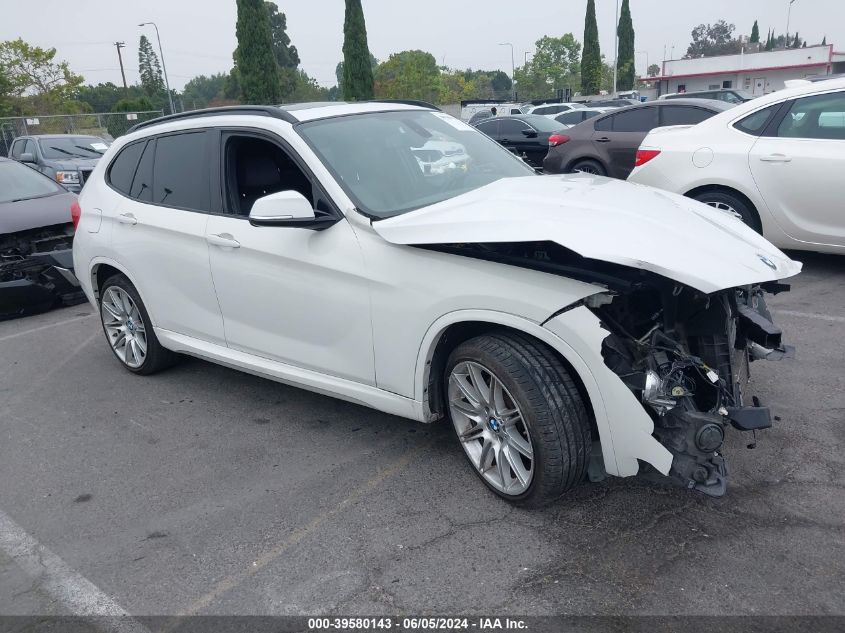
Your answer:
<point x="357" y="69"/>
<point x="591" y="65"/>
<point x="149" y="68"/>
<point x="755" y="34"/>
<point x="824" y="41"/>
<point x="258" y="72"/>
<point x="625" y="66"/>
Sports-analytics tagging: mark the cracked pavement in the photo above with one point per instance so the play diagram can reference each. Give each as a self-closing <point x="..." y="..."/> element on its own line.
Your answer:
<point x="203" y="490"/>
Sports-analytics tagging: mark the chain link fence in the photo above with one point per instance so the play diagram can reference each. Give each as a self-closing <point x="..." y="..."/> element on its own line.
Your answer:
<point x="107" y="125"/>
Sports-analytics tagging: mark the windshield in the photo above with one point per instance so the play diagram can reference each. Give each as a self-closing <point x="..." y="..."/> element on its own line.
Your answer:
<point x="393" y="162"/>
<point x="19" y="182"/>
<point x="72" y="147"/>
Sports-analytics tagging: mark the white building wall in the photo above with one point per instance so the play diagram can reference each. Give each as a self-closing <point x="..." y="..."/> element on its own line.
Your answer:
<point x="757" y="83"/>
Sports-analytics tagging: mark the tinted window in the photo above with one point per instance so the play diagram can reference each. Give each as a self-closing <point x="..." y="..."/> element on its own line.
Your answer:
<point x="490" y="128"/>
<point x="180" y="174"/>
<point x="636" y="120"/>
<point x="122" y="169"/>
<point x="756" y="123"/>
<point x="543" y="110"/>
<point x="510" y="127"/>
<point x="142" y="185"/>
<point x="683" y="115"/>
<point x="604" y="125"/>
<point x="571" y="118"/>
<point x="818" y="117"/>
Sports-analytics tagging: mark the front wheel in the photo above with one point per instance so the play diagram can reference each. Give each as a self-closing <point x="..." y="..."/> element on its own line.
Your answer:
<point x="518" y="416"/>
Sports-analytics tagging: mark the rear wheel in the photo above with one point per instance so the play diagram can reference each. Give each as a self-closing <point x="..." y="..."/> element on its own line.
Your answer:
<point x="732" y="204"/>
<point x="589" y="167"/>
<point x="128" y="328"/>
<point x="518" y="416"/>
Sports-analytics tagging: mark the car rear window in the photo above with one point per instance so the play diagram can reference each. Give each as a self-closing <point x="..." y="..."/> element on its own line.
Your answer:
<point x="123" y="167"/>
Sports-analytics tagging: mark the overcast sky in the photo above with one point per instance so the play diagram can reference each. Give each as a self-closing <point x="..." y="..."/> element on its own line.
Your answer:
<point x="199" y="35"/>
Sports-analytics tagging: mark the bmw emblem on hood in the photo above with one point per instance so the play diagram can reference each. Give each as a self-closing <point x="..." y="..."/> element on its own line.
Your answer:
<point x="767" y="261"/>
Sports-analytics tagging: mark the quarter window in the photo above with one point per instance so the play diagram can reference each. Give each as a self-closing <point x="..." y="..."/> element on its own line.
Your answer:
<point x="755" y="123"/>
<point x="683" y="115"/>
<point x="142" y="185"/>
<point x="122" y="169"/>
<point x="817" y="117"/>
<point x="180" y="173"/>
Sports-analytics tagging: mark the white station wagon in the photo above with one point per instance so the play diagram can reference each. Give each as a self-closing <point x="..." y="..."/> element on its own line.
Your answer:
<point x="564" y="325"/>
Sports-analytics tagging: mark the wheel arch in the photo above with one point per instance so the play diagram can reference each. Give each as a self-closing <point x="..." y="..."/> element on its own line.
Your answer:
<point x="103" y="268"/>
<point x="718" y="188"/>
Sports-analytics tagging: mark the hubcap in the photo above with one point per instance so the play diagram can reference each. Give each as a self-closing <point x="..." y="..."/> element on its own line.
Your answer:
<point x="124" y="326"/>
<point x="726" y="208"/>
<point x="588" y="169"/>
<point x="491" y="428"/>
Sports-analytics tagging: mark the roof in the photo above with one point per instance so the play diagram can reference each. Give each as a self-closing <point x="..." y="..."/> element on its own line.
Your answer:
<point x="59" y="136"/>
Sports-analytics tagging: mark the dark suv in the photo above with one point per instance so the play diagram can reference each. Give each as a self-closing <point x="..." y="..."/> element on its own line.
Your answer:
<point x="66" y="158"/>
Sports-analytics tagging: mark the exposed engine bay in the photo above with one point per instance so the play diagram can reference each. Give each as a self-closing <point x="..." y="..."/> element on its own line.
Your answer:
<point x="36" y="270"/>
<point x="684" y="353"/>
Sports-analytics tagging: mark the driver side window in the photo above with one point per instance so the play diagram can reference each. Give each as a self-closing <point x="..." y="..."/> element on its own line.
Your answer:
<point x="256" y="167"/>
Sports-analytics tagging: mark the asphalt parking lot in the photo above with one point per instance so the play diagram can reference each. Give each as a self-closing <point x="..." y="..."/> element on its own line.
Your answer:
<point x="202" y="490"/>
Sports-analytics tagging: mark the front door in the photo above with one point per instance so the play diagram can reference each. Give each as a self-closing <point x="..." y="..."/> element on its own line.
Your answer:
<point x="759" y="86"/>
<point x="799" y="172"/>
<point x="617" y="138"/>
<point x="293" y="295"/>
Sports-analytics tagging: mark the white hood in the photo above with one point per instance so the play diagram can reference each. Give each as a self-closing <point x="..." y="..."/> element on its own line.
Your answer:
<point x="605" y="219"/>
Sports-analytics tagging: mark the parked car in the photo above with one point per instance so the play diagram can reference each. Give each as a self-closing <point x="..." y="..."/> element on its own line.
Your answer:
<point x="66" y="158"/>
<point x="574" y="117"/>
<point x="776" y="162"/>
<point x="607" y="145"/>
<point x="552" y="109"/>
<point x="481" y="115"/>
<point x="526" y="135"/>
<point x="612" y="103"/>
<point x="727" y="95"/>
<point x="539" y="314"/>
<point x="36" y="233"/>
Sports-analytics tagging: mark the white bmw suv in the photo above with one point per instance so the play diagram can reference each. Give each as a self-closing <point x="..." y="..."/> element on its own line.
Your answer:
<point x="562" y="324"/>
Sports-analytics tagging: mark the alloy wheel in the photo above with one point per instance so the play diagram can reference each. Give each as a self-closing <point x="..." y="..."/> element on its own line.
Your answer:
<point x="491" y="428"/>
<point x="124" y="326"/>
<point x="722" y="206"/>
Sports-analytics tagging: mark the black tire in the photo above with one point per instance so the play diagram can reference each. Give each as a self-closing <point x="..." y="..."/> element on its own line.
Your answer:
<point x="157" y="357"/>
<point x="588" y="166"/>
<point x="553" y="411"/>
<point x="748" y="214"/>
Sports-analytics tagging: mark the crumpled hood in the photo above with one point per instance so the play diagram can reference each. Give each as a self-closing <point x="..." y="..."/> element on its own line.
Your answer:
<point x="605" y="219"/>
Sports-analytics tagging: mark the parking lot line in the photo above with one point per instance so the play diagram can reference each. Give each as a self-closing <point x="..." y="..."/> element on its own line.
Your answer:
<point x="56" y="578"/>
<point x="232" y="581"/>
<point x="811" y="315"/>
<point x="49" y="326"/>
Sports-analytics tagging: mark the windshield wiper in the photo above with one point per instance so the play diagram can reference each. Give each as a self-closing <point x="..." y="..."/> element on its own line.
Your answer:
<point x="90" y="149"/>
<point x="64" y="151"/>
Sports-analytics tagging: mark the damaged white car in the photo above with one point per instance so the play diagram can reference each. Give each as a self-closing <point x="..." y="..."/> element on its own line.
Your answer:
<point x="563" y="325"/>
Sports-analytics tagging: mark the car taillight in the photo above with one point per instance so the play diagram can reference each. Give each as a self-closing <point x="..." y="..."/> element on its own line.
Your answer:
<point x="75" y="213"/>
<point x="645" y="155"/>
<point x="558" y="139"/>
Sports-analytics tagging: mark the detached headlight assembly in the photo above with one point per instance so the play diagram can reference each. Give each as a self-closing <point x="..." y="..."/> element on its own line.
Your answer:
<point x="67" y="177"/>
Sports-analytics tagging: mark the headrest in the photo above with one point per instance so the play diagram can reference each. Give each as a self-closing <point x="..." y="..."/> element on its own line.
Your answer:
<point x="258" y="172"/>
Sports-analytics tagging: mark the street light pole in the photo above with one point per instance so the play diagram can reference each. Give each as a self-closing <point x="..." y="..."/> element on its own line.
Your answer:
<point x="163" y="66"/>
<point x="788" y="17"/>
<point x="513" y="66"/>
<point x="615" y="47"/>
<point x="646" y="60"/>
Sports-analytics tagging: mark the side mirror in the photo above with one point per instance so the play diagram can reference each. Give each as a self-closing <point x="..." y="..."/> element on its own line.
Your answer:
<point x="27" y="157"/>
<point x="288" y="208"/>
<point x="530" y="133"/>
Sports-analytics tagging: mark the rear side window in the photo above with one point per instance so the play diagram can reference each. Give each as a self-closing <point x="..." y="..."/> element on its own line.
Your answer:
<point x="543" y="110"/>
<point x="604" y="125"/>
<point x="123" y="167"/>
<point x="636" y="120"/>
<point x="180" y="173"/>
<point x="755" y="123"/>
<point x="490" y="128"/>
<point x="571" y="118"/>
<point x="682" y="115"/>
<point x="512" y="127"/>
<point x="142" y="185"/>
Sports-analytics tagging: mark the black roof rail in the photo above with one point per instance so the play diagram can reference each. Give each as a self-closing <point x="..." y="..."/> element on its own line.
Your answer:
<point x="271" y="111"/>
<point x="413" y="102"/>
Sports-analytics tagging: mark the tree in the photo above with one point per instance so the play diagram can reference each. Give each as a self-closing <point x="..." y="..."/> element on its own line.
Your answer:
<point x="591" y="64"/>
<point x="715" y="39"/>
<point x="824" y="41"/>
<point x="257" y="70"/>
<point x="286" y="55"/>
<point x="625" y="65"/>
<point x="200" y="91"/>
<point x="653" y="70"/>
<point x="31" y="81"/>
<point x="770" y="42"/>
<point x="117" y="125"/>
<point x="357" y="69"/>
<point x="339" y="71"/>
<point x="408" y="75"/>
<point x="755" y="34"/>
<point x="796" y="43"/>
<point x="149" y="68"/>
<point x="104" y="96"/>
<point x="555" y="66"/>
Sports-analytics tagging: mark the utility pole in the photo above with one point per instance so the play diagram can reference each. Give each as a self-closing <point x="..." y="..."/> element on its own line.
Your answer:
<point x="615" y="48"/>
<point x="120" y="45"/>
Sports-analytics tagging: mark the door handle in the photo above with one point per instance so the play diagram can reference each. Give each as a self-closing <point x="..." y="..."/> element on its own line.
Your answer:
<point x="776" y="158"/>
<point x="223" y="240"/>
<point x="603" y="139"/>
<point x="127" y="218"/>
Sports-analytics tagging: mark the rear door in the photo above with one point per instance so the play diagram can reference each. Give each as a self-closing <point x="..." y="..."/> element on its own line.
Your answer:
<point x="617" y="138"/>
<point x="517" y="136"/>
<point x="158" y="235"/>
<point x="798" y="167"/>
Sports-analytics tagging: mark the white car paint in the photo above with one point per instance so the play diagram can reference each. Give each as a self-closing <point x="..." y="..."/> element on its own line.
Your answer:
<point x="795" y="184"/>
<point x="355" y="311"/>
